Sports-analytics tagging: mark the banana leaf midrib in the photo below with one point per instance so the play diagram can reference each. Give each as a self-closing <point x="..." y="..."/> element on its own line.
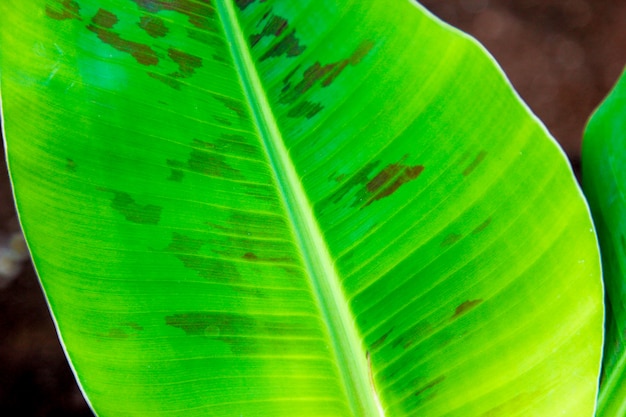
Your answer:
<point x="350" y="356"/>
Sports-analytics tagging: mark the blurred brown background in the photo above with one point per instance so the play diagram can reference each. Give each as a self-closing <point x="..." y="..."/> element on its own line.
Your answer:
<point x="563" y="56"/>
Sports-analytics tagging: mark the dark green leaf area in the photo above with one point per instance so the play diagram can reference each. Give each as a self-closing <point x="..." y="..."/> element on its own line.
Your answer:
<point x="236" y="329"/>
<point x="414" y="334"/>
<point x="224" y="327"/>
<point x="230" y="247"/>
<point x="237" y="106"/>
<point x="211" y="324"/>
<point x="63" y="10"/>
<point x="204" y="160"/>
<point x="209" y="158"/>
<point x="188" y="251"/>
<point x="124" y="330"/>
<point x="70" y="165"/>
<point x="241" y="224"/>
<point x="134" y="212"/>
<point x="177" y="175"/>
<point x="240" y="262"/>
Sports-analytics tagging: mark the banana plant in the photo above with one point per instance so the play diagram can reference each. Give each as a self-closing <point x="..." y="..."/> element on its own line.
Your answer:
<point x="281" y="208"/>
<point x="604" y="179"/>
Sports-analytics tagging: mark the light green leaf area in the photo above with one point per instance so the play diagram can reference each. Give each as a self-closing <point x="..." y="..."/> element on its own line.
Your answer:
<point x="604" y="180"/>
<point x="295" y="208"/>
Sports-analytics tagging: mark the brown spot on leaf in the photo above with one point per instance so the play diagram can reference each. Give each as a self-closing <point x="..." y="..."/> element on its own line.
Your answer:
<point x="187" y="63"/>
<point x="273" y="27"/>
<point x="451" y="239"/>
<point x="105" y="19"/>
<point x="413" y="335"/>
<point x="471" y="167"/>
<point x="101" y="24"/>
<point x="324" y="74"/>
<point x="357" y="56"/>
<point x="250" y="256"/>
<point x="288" y="46"/>
<point x="134" y="326"/>
<point x="70" y="165"/>
<point x="311" y="76"/>
<point x="153" y="26"/>
<point x="243" y="4"/>
<point x="315" y="74"/>
<point x="390" y="179"/>
<point x="382" y="185"/>
<point x="482" y="226"/>
<point x="379" y="342"/>
<point x="306" y="109"/>
<point x="199" y="12"/>
<point x="465" y="307"/>
<point x="358" y="179"/>
<point x="361" y="52"/>
<point x="63" y="10"/>
<point x="222" y="120"/>
<point x="124" y="204"/>
<point x="432" y="384"/>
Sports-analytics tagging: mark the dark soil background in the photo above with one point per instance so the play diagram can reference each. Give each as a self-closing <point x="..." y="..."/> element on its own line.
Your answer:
<point x="563" y="56"/>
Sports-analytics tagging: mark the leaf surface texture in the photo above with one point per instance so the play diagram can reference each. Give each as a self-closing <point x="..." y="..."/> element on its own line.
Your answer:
<point x="279" y="208"/>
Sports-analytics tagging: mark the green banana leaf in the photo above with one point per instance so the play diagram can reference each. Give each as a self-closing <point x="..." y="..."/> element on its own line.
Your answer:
<point x="604" y="180"/>
<point x="295" y="208"/>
